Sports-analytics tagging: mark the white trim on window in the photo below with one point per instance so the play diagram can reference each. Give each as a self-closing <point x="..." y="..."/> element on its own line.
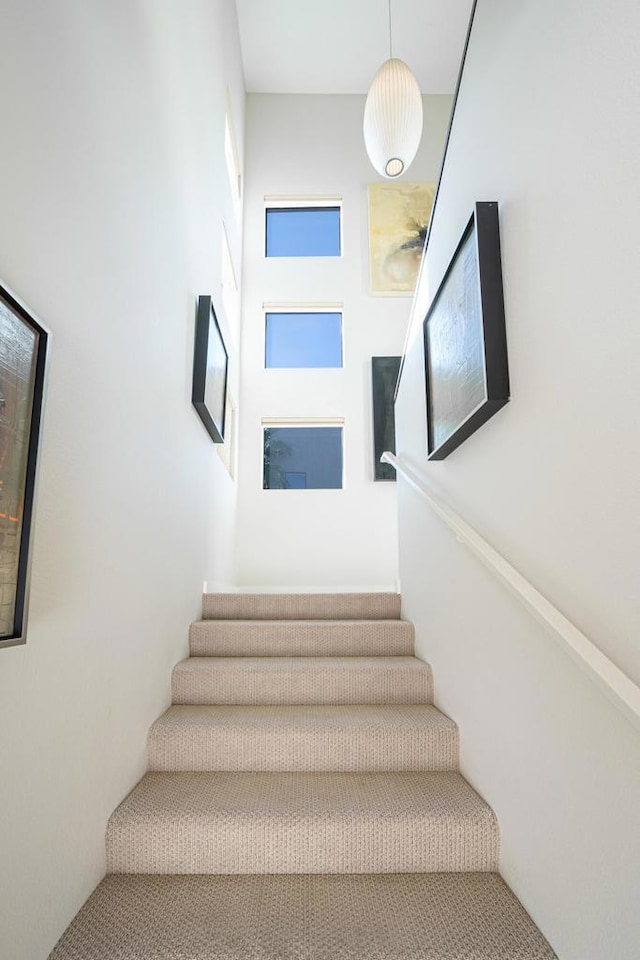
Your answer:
<point x="307" y="200"/>
<point x="305" y="308"/>
<point x="291" y="202"/>
<point x="302" y="422"/>
<point x="294" y="306"/>
<point x="295" y="422"/>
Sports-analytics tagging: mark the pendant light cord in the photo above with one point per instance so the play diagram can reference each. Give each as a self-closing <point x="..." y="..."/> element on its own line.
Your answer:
<point x="390" y="43"/>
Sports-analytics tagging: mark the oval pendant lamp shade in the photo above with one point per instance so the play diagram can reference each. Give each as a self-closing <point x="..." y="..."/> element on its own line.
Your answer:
<point x="393" y="119"/>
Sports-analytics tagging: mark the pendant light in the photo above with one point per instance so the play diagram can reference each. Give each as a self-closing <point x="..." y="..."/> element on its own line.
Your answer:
<point x="393" y="116"/>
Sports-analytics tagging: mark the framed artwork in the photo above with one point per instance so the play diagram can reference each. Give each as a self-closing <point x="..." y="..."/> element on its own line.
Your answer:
<point x="227" y="450"/>
<point x="465" y="344"/>
<point x="23" y="351"/>
<point x="398" y="221"/>
<point x="384" y="376"/>
<point x="210" y="368"/>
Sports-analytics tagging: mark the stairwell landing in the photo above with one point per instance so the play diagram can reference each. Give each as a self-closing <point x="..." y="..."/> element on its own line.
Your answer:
<point x="303" y="802"/>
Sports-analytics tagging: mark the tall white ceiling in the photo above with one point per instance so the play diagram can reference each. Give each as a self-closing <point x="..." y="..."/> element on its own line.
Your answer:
<point x="336" y="46"/>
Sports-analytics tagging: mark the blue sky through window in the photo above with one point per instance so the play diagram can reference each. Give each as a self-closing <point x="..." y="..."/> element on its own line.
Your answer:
<point x="303" y="340"/>
<point x="303" y="232"/>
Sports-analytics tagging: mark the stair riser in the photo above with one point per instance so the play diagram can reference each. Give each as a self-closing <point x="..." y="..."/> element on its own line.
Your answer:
<point x="298" y="846"/>
<point x="216" y="638"/>
<point x="332" y="687"/>
<point x="319" y="750"/>
<point x="301" y="606"/>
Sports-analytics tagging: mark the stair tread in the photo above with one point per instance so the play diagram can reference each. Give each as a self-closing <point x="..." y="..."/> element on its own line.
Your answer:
<point x="308" y="717"/>
<point x="382" y="637"/>
<point x="361" y="737"/>
<point x="303" y="623"/>
<point x="264" y="823"/>
<point x="308" y="794"/>
<point x="298" y="680"/>
<point x="363" y="841"/>
<point x="305" y="917"/>
<point x="312" y="796"/>
<point x="301" y="664"/>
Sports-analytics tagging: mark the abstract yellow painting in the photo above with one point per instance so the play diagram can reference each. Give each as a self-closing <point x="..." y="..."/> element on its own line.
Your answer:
<point x="398" y="220"/>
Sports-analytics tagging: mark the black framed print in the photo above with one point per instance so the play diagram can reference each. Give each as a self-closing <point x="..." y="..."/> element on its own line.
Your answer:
<point x="465" y="344"/>
<point x="384" y="376"/>
<point x="23" y="352"/>
<point x="210" y="369"/>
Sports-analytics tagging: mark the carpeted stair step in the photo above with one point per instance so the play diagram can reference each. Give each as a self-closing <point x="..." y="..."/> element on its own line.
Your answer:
<point x="260" y="823"/>
<point x="298" y="738"/>
<point x="301" y="638"/>
<point x="298" y="680"/>
<point x="440" y="916"/>
<point x="301" y="606"/>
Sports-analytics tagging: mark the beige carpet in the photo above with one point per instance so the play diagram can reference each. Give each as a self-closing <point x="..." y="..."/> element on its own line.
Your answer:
<point x="298" y="738"/>
<point x="301" y="823"/>
<point x="303" y="800"/>
<point x="301" y="638"/>
<point x="298" y="680"/>
<point x="301" y="606"/>
<point x="412" y="917"/>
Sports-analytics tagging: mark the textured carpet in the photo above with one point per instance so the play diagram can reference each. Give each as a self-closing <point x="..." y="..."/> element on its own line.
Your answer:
<point x="410" y="917"/>
<point x="293" y="738"/>
<point x="298" y="680"/>
<point x="301" y="606"/>
<point x="302" y="823"/>
<point x="301" y="638"/>
<point x="303" y="803"/>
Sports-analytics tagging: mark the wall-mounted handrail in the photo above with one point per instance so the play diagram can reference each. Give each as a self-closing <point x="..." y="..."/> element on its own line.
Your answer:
<point x="616" y="685"/>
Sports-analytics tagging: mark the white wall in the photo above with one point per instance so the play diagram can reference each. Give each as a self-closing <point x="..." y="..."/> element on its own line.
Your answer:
<point x="112" y="191"/>
<point x="547" y="124"/>
<point x="311" y="146"/>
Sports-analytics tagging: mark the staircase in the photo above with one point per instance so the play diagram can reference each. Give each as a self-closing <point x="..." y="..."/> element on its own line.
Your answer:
<point x="302" y="801"/>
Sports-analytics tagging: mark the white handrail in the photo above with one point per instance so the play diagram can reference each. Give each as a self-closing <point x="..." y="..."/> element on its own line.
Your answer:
<point x="617" y="686"/>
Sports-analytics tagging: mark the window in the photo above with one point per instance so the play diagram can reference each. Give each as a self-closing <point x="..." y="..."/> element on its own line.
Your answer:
<point x="231" y="158"/>
<point x="227" y="450"/>
<point x="233" y="167"/>
<point x="306" y="339"/>
<point x="303" y="231"/>
<point x="302" y="457"/>
<point x="230" y="296"/>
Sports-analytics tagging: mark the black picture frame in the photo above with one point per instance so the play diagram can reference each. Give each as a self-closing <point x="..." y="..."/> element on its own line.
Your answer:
<point x="210" y="371"/>
<point x="23" y="356"/>
<point x="384" y="376"/>
<point x="465" y="343"/>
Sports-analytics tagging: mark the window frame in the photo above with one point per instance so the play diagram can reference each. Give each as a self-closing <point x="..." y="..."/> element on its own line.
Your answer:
<point x="298" y="423"/>
<point x="302" y="308"/>
<point x="311" y="203"/>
